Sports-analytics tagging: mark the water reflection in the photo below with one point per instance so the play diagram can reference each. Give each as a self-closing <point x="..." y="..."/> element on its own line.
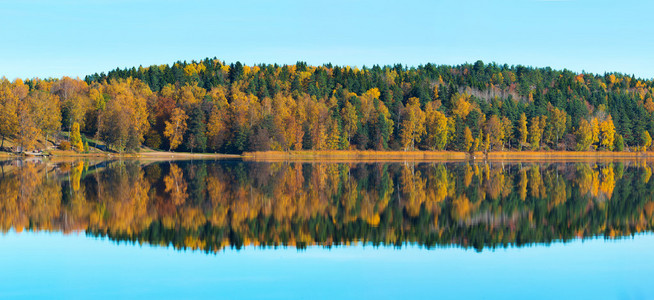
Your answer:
<point x="210" y="205"/>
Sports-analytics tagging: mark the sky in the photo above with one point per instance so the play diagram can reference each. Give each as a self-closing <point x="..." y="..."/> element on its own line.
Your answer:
<point x="44" y="38"/>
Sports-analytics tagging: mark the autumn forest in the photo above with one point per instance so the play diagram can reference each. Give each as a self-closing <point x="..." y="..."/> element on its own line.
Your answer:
<point x="212" y="106"/>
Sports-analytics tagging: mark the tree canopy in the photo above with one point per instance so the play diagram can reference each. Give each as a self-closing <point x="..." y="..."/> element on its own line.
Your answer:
<point x="209" y="105"/>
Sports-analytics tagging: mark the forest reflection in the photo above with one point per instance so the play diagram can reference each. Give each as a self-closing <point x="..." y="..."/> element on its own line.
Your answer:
<point x="210" y="205"/>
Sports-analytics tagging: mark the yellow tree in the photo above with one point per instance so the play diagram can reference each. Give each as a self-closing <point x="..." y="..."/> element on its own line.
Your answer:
<point x="318" y="124"/>
<point x="124" y="119"/>
<point x="584" y="135"/>
<point x="556" y="124"/>
<point x="245" y="111"/>
<point x="467" y="140"/>
<point x="75" y="102"/>
<point x="413" y="124"/>
<point x="8" y="111"/>
<point x="649" y="105"/>
<point x="607" y="133"/>
<point x="47" y="113"/>
<point x="334" y="136"/>
<point x="76" y="138"/>
<point x="494" y="132"/>
<point x="536" y="131"/>
<point x="190" y="94"/>
<point x="298" y="119"/>
<point x="28" y="129"/>
<point x="217" y="130"/>
<point x="461" y="106"/>
<point x="437" y="127"/>
<point x="594" y="129"/>
<point x="349" y="116"/>
<point x="288" y="118"/>
<point x="522" y="130"/>
<point x="175" y="128"/>
<point x="646" y="140"/>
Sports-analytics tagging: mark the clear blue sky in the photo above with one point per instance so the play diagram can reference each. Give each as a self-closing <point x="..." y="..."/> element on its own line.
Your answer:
<point x="54" y="38"/>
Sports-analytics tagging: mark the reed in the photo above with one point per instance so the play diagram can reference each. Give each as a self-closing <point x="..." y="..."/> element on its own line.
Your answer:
<point x="355" y="155"/>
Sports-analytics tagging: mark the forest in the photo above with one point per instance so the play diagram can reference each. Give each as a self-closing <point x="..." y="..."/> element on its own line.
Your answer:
<point x="212" y="106"/>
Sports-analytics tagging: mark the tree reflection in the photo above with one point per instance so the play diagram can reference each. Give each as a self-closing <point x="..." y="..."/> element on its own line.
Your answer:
<point x="212" y="205"/>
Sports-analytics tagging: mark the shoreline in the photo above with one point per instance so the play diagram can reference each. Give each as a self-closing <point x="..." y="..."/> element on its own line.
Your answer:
<point x="349" y="155"/>
<point x="356" y="155"/>
<point x="140" y="155"/>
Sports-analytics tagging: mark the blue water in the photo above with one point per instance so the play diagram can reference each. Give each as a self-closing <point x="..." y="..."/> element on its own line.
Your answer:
<point x="54" y="265"/>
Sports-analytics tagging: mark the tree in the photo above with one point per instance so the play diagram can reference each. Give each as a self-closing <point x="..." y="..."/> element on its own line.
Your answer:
<point x="176" y="128"/>
<point x="197" y="130"/>
<point x="619" y="143"/>
<point x="383" y="129"/>
<point x="494" y="133"/>
<point x="646" y="140"/>
<point x="333" y="136"/>
<point x="350" y="120"/>
<point x="607" y="133"/>
<point x="217" y="130"/>
<point x="123" y="120"/>
<point x="468" y="140"/>
<point x="522" y="130"/>
<point x="437" y="128"/>
<point x="318" y="125"/>
<point x="507" y="129"/>
<point x="584" y="135"/>
<point x="556" y="125"/>
<point x="413" y="124"/>
<point x="595" y="130"/>
<point x="47" y="113"/>
<point x="28" y="129"/>
<point x="76" y="138"/>
<point x="461" y="106"/>
<point x="536" y="131"/>
<point x="8" y="111"/>
<point x="75" y="101"/>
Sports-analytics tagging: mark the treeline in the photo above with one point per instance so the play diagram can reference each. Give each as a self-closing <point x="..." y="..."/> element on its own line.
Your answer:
<point x="210" y="206"/>
<point x="209" y="106"/>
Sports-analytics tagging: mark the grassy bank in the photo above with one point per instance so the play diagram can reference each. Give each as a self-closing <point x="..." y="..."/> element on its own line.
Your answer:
<point x="568" y="155"/>
<point x="107" y="155"/>
<point x="362" y="156"/>
<point x="349" y="155"/>
<point x="340" y="155"/>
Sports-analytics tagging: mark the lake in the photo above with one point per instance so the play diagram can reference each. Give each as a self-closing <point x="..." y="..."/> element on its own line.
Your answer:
<point x="303" y="230"/>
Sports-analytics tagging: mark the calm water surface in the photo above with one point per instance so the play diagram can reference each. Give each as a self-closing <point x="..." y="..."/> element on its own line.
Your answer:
<point x="234" y="229"/>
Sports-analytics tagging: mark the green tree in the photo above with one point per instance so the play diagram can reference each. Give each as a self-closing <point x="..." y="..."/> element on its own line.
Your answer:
<point x="619" y="143"/>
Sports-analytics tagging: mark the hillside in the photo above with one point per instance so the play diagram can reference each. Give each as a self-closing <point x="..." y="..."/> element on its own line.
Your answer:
<point x="211" y="106"/>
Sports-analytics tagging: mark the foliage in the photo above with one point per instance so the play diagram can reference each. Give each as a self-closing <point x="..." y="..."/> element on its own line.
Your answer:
<point x="235" y="108"/>
<point x="64" y="145"/>
<point x="76" y="138"/>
